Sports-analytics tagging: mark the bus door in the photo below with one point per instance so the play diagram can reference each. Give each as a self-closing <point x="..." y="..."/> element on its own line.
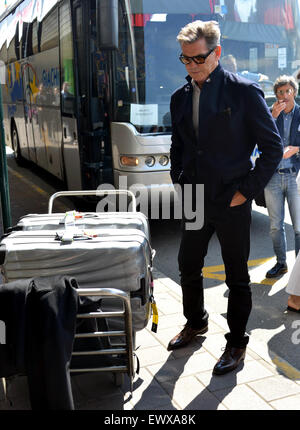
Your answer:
<point x="29" y="113"/>
<point x="70" y="140"/>
<point x="92" y="79"/>
<point x="36" y="91"/>
<point x="89" y="134"/>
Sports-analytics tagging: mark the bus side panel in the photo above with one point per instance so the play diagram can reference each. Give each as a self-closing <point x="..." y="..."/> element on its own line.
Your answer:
<point x="13" y="106"/>
<point x="6" y="119"/>
<point x="71" y="156"/>
<point x="5" y="102"/>
<point x="6" y="124"/>
<point x="47" y="127"/>
<point x="21" y="129"/>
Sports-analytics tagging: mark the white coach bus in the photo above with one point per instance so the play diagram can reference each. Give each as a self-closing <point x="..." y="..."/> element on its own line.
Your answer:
<point x="88" y="82"/>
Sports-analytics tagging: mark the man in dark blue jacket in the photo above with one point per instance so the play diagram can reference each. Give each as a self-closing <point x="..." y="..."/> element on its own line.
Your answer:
<point x="282" y="186"/>
<point x="217" y="118"/>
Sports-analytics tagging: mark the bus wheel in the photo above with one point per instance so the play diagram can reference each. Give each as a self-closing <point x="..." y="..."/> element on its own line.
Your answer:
<point x="16" y="146"/>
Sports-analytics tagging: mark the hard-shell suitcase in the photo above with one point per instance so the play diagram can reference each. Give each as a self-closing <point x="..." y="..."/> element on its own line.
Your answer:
<point x="86" y="220"/>
<point x="100" y="257"/>
<point x="118" y="259"/>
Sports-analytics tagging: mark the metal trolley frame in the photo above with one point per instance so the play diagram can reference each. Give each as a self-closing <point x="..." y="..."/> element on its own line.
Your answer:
<point x="124" y="349"/>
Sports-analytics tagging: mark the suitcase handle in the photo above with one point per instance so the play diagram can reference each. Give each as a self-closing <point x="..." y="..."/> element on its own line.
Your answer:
<point x="90" y="193"/>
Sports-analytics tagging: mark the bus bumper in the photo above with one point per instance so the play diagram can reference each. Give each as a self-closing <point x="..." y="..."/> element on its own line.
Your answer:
<point x="159" y="180"/>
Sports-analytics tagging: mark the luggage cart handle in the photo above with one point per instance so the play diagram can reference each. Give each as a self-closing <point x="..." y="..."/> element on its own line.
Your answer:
<point x="90" y="193"/>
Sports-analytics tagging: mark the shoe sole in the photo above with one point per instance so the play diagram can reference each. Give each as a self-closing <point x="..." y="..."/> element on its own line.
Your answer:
<point x="203" y="330"/>
<point x="281" y="272"/>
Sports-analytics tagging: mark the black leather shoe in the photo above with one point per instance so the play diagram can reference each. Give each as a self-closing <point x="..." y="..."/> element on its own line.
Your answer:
<point x="185" y="337"/>
<point x="230" y="360"/>
<point x="277" y="270"/>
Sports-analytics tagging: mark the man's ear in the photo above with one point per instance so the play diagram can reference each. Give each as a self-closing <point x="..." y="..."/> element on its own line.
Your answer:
<point x="218" y="51"/>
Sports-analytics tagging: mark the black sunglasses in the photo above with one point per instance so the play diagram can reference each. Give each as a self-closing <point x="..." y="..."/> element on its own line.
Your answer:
<point x="198" y="59"/>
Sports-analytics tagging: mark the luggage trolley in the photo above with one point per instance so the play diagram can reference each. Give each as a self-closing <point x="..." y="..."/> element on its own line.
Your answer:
<point x="90" y="193"/>
<point x="110" y="293"/>
<point x="128" y="280"/>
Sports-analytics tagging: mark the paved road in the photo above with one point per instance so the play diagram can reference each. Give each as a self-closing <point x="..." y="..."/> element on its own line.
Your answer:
<point x="269" y="323"/>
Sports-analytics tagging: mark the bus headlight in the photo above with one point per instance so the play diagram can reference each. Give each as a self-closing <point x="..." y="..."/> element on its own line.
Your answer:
<point x="150" y="161"/>
<point x="129" y="161"/>
<point x="164" y="160"/>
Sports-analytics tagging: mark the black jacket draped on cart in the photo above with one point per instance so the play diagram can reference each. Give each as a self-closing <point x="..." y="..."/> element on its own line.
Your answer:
<point x="40" y="318"/>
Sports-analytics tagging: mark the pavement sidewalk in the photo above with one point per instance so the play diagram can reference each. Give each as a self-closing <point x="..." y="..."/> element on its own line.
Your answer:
<point x="182" y="379"/>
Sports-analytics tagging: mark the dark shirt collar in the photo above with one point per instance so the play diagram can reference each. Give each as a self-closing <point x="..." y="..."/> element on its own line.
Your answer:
<point x="214" y="74"/>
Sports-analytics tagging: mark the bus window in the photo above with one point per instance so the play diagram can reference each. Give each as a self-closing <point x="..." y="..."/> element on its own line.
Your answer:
<point x="26" y="41"/>
<point x="79" y="37"/>
<point x="36" y="43"/>
<point x="49" y="31"/>
<point x="126" y="79"/>
<point x="147" y="76"/>
<point x="66" y="60"/>
<point x="13" y="52"/>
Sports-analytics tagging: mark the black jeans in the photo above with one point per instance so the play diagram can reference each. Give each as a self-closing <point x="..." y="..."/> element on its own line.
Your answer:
<point x="232" y="226"/>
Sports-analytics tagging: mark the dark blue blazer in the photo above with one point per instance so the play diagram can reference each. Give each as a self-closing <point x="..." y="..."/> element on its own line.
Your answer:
<point x="294" y="133"/>
<point x="233" y="117"/>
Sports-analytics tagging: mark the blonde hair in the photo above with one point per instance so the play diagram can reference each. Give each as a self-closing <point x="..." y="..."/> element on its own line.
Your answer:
<point x="209" y="30"/>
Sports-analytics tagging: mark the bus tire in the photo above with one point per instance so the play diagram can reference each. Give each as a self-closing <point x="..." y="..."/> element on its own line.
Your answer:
<point x="16" y="145"/>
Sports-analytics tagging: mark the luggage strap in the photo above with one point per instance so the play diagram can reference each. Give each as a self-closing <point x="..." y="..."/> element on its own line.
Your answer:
<point x="70" y="228"/>
<point x="153" y="305"/>
<point x="155" y="314"/>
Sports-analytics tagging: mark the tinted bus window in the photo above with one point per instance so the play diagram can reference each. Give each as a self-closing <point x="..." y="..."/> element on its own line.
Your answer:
<point x="127" y="89"/>
<point x="79" y="37"/>
<point x="49" y="31"/>
<point x="260" y="41"/>
<point x="26" y="41"/>
<point x="36" y="42"/>
<point x="13" y="44"/>
<point x="67" y="60"/>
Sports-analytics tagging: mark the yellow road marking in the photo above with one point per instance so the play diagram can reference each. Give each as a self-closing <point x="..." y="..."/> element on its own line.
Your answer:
<point x="288" y="370"/>
<point x="33" y="186"/>
<point x="212" y="272"/>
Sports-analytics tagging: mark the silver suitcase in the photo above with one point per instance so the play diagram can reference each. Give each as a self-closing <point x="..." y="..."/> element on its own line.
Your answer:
<point x="86" y="220"/>
<point x="99" y="257"/>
